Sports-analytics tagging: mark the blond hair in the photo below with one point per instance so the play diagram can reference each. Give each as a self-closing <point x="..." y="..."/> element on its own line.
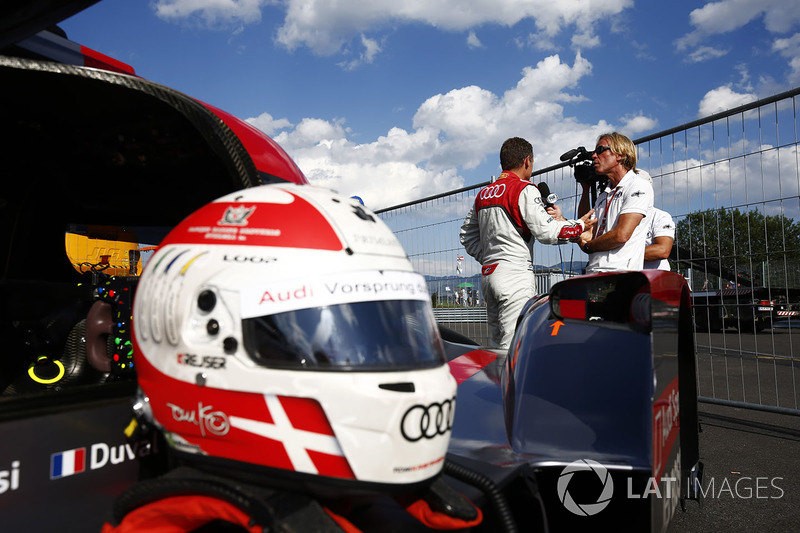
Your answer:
<point x="622" y="145"/>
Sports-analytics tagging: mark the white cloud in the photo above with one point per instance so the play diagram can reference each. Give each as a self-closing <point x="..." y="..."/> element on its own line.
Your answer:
<point x="476" y="120"/>
<point x="722" y="99"/>
<point x="452" y="133"/>
<point x="781" y="16"/>
<point x="538" y="41"/>
<point x="211" y="13"/>
<point x="704" y="53"/>
<point x="585" y="40"/>
<point x="371" y="49"/>
<point x="642" y="51"/>
<point x="744" y="75"/>
<point x="314" y="132"/>
<point x="790" y="49"/>
<point x="725" y="16"/>
<point x="269" y="125"/>
<point x="326" y="26"/>
<point x="638" y="123"/>
<point x="694" y="184"/>
<point x="473" y="41"/>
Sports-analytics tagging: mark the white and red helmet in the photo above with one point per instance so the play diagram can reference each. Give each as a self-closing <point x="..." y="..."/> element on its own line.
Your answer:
<point x="283" y="327"/>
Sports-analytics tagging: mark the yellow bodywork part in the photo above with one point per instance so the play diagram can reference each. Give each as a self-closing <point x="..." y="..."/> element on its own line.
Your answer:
<point x="113" y="256"/>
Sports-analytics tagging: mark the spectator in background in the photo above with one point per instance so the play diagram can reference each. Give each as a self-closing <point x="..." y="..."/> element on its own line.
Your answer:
<point x="659" y="241"/>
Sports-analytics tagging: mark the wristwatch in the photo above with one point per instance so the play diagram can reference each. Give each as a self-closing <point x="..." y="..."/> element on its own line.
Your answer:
<point x="586" y="247"/>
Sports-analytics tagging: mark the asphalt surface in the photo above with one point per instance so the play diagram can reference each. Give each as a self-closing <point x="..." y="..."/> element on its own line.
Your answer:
<point x="752" y="472"/>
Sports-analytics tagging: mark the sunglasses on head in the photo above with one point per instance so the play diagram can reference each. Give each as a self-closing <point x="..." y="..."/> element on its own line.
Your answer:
<point x="602" y="148"/>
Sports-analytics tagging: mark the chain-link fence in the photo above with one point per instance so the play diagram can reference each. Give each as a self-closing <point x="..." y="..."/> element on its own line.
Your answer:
<point x="731" y="182"/>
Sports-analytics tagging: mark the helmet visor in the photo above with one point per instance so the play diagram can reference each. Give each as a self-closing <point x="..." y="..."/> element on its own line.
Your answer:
<point x="373" y="335"/>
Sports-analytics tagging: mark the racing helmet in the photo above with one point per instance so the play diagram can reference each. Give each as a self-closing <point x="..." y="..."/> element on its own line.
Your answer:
<point x="282" y="330"/>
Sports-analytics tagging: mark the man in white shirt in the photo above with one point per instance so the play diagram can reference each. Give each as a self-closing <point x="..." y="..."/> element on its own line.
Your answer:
<point x="658" y="244"/>
<point x="617" y="240"/>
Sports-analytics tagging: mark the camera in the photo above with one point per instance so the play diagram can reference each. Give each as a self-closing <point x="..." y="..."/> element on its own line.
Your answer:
<point x="581" y="160"/>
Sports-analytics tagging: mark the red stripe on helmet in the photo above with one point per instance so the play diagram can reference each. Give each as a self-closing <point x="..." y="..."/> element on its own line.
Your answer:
<point x="297" y="224"/>
<point x="306" y="414"/>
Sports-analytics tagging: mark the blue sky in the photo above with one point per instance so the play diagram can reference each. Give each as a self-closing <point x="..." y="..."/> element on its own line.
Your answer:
<point x="399" y="100"/>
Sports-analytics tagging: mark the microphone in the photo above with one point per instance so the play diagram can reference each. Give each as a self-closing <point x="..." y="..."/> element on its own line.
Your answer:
<point x="547" y="197"/>
<point x="566" y="156"/>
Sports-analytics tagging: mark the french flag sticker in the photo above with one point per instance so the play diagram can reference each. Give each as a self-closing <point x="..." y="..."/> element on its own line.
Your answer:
<point x="67" y="463"/>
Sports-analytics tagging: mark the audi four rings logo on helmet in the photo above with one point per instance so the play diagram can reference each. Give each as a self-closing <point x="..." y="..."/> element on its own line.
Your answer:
<point x="428" y="421"/>
<point x="492" y="191"/>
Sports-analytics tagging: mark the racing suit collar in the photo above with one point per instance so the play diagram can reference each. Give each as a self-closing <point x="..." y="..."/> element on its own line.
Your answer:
<point x="508" y="174"/>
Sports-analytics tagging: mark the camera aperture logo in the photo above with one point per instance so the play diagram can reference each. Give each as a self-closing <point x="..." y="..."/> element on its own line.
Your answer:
<point x="585" y="509"/>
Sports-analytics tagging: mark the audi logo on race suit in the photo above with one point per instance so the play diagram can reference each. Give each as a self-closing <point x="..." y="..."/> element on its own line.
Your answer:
<point x="421" y="421"/>
<point x="492" y="191"/>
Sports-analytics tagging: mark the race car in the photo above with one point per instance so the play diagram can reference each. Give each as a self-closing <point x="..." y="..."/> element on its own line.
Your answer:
<point x="590" y="419"/>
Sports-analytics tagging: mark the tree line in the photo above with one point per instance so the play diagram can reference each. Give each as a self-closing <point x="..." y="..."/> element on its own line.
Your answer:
<point x="744" y="246"/>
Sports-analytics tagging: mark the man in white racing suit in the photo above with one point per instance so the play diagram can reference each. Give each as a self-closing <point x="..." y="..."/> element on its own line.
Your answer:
<point x="499" y="233"/>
